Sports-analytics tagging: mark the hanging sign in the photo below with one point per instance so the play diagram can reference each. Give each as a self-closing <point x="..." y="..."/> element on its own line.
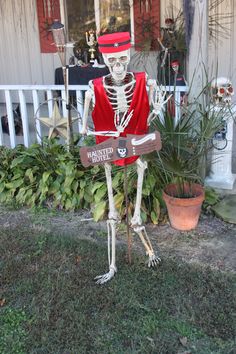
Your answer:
<point x="114" y="149"/>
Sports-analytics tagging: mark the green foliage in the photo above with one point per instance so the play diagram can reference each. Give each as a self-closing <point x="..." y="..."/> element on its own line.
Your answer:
<point x="211" y="198"/>
<point x="151" y="197"/>
<point x="13" y="332"/>
<point x="187" y="141"/>
<point x="48" y="175"/>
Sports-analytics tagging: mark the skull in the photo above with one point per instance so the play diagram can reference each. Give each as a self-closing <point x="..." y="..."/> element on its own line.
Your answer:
<point x="117" y="63"/>
<point x="175" y="66"/>
<point x="122" y="152"/>
<point x="222" y="90"/>
<point x="170" y="24"/>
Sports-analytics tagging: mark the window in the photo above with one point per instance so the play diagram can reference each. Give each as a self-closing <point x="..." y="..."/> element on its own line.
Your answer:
<point x="103" y="16"/>
<point x="81" y="18"/>
<point x="114" y="16"/>
<point x="140" y="17"/>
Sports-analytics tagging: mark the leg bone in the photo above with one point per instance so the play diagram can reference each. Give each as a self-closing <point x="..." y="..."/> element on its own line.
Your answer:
<point x="113" y="214"/>
<point x="136" y="220"/>
<point x="111" y="242"/>
<point x="111" y="231"/>
<point x="153" y="260"/>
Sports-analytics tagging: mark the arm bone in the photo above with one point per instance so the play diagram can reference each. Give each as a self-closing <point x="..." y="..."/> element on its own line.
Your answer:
<point x="89" y="96"/>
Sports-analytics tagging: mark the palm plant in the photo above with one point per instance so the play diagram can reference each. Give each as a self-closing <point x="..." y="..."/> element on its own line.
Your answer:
<point x="186" y="143"/>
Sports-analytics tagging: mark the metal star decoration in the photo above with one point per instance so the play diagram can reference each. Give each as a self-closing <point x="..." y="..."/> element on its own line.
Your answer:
<point x="57" y="124"/>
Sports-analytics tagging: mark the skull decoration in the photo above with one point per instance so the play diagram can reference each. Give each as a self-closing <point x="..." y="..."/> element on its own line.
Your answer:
<point x="122" y="151"/>
<point x="117" y="63"/>
<point x="222" y="90"/>
<point x="115" y="49"/>
<point x="175" y="66"/>
<point x="170" y="24"/>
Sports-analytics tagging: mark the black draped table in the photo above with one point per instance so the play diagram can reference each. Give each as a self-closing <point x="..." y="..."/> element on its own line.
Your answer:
<point x="79" y="75"/>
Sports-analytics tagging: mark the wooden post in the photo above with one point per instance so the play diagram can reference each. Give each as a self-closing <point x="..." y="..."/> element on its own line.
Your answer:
<point x="127" y="215"/>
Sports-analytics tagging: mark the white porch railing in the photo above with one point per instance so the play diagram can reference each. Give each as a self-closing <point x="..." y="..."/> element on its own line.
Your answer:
<point x="32" y="98"/>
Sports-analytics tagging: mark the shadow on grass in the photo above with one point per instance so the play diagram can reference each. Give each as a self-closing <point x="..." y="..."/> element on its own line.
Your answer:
<point x="50" y="303"/>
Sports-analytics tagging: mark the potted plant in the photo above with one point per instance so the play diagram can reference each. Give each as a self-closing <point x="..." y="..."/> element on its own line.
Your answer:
<point x="182" y="160"/>
<point x="184" y="211"/>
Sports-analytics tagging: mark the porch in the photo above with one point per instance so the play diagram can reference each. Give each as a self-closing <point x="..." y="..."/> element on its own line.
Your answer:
<point x="37" y="101"/>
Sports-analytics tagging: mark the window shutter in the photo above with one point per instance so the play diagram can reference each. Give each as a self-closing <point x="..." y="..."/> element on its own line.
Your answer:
<point x="146" y="24"/>
<point x="48" y="11"/>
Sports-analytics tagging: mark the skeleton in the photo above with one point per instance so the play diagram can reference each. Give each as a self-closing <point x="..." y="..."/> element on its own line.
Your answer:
<point x="221" y="175"/>
<point x="222" y="90"/>
<point x="119" y="86"/>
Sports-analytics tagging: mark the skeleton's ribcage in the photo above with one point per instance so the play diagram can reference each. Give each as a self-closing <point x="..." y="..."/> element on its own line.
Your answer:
<point x="120" y="98"/>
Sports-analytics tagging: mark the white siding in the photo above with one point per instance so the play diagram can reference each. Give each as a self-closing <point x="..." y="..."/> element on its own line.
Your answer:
<point x="222" y="52"/>
<point x="21" y="61"/>
<point x="169" y="8"/>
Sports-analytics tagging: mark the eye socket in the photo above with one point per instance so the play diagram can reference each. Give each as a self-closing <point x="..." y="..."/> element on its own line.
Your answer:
<point x="221" y="90"/>
<point x="124" y="58"/>
<point x="111" y="60"/>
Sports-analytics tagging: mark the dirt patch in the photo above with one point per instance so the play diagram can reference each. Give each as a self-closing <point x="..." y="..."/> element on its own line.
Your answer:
<point x="211" y="244"/>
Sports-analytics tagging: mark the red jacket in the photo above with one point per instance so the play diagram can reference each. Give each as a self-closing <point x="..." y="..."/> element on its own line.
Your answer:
<point x="103" y="114"/>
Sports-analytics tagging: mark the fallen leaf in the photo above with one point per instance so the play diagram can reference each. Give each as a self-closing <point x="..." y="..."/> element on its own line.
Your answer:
<point x="183" y="341"/>
<point x="78" y="260"/>
<point x="2" y="302"/>
<point x="151" y="341"/>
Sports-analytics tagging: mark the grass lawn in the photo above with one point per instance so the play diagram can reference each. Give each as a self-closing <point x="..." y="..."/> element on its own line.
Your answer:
<point x="49" y="302"/>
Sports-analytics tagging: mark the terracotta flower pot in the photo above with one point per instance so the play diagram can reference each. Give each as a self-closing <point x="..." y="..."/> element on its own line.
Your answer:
<point x="184" y="212"/>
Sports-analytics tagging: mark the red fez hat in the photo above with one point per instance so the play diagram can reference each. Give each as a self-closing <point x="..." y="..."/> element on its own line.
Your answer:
<point x="114" y="42"/>
<point x="174" y="63"/>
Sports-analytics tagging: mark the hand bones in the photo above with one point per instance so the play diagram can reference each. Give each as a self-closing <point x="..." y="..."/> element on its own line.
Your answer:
<point x="156" y="98"/>
<point x="158" y="101"/>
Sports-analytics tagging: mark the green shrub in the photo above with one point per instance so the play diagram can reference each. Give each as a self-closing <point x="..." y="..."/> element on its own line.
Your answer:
<point x="48" y="175"/>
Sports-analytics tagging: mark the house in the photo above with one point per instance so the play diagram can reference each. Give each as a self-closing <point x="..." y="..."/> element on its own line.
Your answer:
<point x="28" y="55"/>
<point x="27" y="50"/>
